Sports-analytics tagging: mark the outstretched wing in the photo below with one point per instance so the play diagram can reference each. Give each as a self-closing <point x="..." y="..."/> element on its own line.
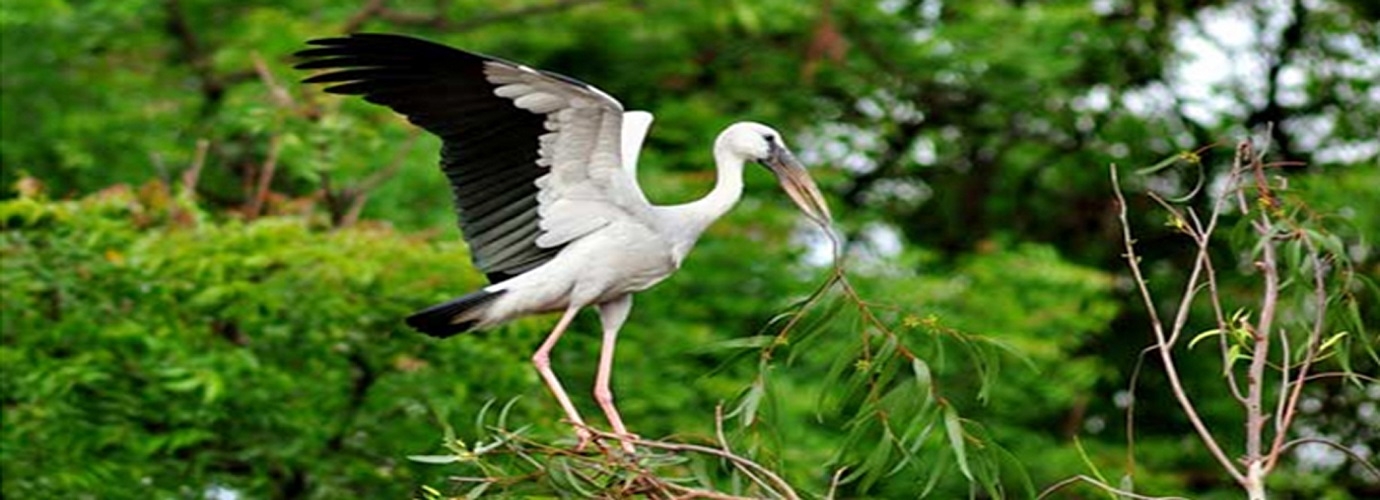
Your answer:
<point x="533" y="157"/>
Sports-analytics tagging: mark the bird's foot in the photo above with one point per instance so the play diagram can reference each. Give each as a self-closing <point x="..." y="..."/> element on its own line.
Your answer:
<point x="626" y="440"/>
<point x="585" y="437"/>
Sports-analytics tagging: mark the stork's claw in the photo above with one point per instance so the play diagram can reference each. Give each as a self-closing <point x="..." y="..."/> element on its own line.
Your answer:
<point x="585" y="438"/>
<point x="626" y="440"/>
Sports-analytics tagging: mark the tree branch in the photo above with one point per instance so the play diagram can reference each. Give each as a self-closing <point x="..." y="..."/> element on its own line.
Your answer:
<point x="1255" y="377"/>
<point x="1104" y="486"/>
<point x="1166" y="357"/>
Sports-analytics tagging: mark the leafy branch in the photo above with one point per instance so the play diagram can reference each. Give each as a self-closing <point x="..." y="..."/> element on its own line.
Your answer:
<point x="1304" y="274"/>
<point x="887" y="385"/>
<point x="886" y="395"/>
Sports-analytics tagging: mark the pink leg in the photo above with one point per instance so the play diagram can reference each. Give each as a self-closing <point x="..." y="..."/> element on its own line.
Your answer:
<point x="542" y="360"/>
<point x="612" y="314"/>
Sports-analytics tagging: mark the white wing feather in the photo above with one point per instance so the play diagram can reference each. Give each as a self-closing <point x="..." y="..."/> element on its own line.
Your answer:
<point x="586" y="148"/>
<point x="635" y="127"/>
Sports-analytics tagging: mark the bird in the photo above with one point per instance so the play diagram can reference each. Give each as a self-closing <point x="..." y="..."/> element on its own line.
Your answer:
<point x="542" y="168"/>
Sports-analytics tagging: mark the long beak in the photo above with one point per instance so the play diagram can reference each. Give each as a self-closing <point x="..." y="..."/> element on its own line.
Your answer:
<point x="798" y="184"/>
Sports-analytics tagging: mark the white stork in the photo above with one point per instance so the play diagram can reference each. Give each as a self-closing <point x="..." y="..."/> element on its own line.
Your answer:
<point x="542" y="167"/>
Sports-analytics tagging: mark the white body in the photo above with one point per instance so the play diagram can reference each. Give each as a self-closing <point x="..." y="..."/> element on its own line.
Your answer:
<point x="629" y="253"/>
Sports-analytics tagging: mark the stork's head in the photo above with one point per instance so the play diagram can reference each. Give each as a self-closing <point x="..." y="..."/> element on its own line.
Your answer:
<point x="760" y="143"/>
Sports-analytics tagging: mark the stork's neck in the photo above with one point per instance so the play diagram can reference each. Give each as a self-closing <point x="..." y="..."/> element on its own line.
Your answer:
<point x="728" y="187"/>
<point x="690" y="220"/>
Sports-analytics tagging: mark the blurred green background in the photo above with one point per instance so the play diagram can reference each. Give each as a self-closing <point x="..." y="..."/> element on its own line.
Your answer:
<point x="243" y="338"/>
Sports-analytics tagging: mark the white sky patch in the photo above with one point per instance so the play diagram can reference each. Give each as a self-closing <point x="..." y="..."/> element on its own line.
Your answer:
<point x="1222" y="73"/>
<point x="1216" y="57"/>
<point x="1153" y="99"/>
<point x="924" y="152"/>
<point x="218" y="492"/>
<point x="884" y="240"/>
<point x="841" y="145"/>
<point x="1097" y="99"/>
<point x="819" y="250"/>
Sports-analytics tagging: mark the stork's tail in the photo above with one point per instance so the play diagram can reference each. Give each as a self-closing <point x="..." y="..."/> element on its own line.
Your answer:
<point x="453" y="317"/>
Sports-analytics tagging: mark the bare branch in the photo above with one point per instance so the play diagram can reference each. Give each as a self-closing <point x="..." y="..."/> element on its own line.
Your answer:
<point x="1092" y="481"/>
<point x="1264" y="328"/>
<point x="276" y="91"/>
<point x="199" y="58"/>
<point x="266" y="172"/>
<point x="1286" y="411"/>
<point x="192" y="175"/>
<point x="358" y="195"/>
<point x="1166" y="357"/>
<point x="1320" y="376"/>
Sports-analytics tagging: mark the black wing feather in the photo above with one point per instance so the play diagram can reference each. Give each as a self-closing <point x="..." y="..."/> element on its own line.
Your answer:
<point x="490" y="146"/>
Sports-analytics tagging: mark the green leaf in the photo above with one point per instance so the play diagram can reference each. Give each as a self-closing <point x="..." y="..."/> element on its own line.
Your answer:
<point x="1163" y="164"/>
<point x="478" y="491"/>
<point x="924" y="380"/>
<point x="434" y="459"/>
<point x="954" y="428"/>
<point x="752" y="342"/>
<point x="1332" y="341"/>
<point x="1233" y="355"/>
<point x="747" y="408"/>
<point x="1210" y="333"/>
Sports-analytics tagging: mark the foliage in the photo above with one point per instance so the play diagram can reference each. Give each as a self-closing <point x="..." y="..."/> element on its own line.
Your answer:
<point x="145" y="354"/>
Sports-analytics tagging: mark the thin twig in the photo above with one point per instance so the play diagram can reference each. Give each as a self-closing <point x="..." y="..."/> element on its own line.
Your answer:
<point x="1093" y="481"/>
<point x="688" y="492"/>
<point x="781" y="485"/>
<point x="365" y="13"/>
<point x="1204" y="237"/>
<point x="193" y="173"/>
<point x="722" y="439"/>
<point x="270" y="165"/>
<point x="1131" y="410"/>
<point x="834" y="483"/>
<point x="1358" y="376"/>
<point x="1360" y="460"/>
<point x="359" y="194"/>
<point x="1286" y="411"/>
<point x="1191" y="288"/>
<point x="276" y="91"/>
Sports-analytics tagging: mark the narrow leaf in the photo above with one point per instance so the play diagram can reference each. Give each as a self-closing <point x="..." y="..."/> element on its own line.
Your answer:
<point x="1163" y="164"/>
<point x="434" y="459"/>
<point x="1332" y="341"/>
<point x="478" y="491"/>
<point x="923" y="380"/>
<point x="954" y="428"/>
<point x="1210" y="333"/>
